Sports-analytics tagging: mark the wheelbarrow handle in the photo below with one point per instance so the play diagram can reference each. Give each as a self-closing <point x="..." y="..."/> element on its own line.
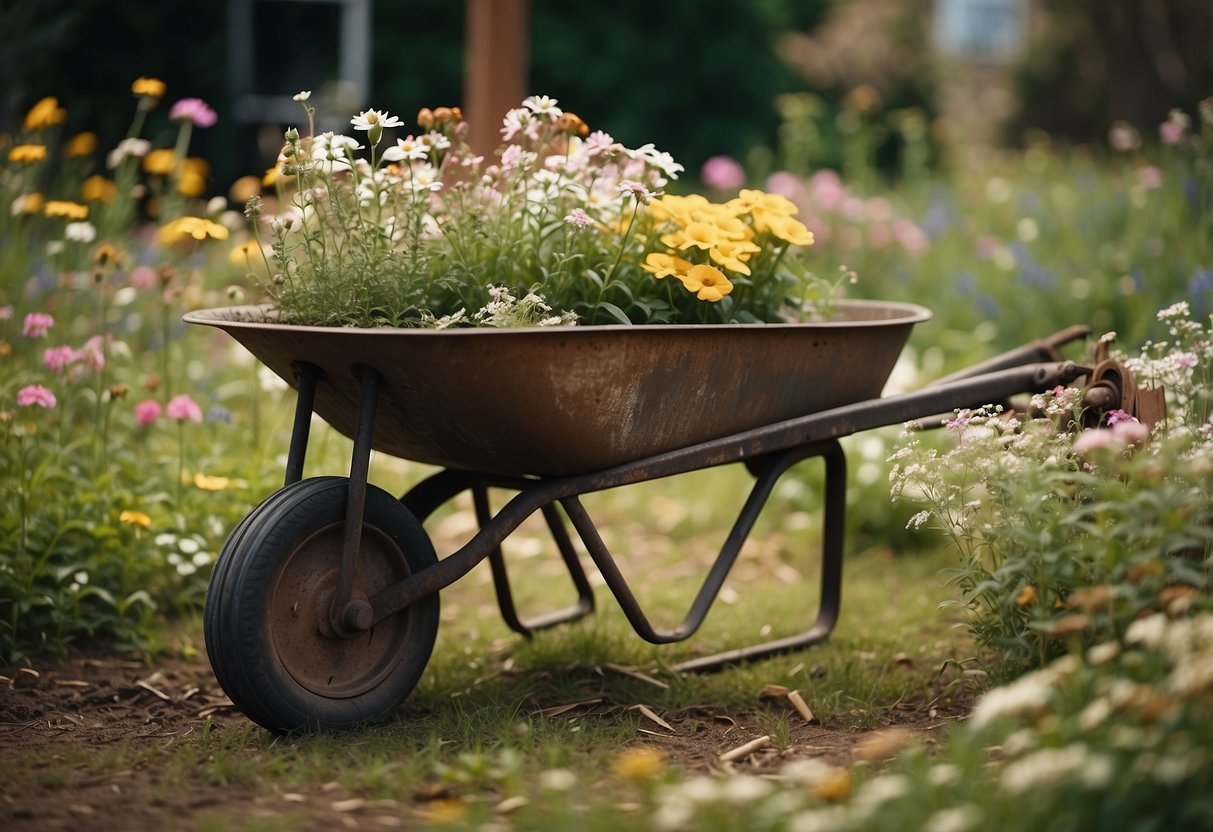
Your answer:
<point x="1038" y="351"/>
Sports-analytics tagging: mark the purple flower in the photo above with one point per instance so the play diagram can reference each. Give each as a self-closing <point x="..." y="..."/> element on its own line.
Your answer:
<point x="193" y="110"/>
<point x="1115" y="417"/>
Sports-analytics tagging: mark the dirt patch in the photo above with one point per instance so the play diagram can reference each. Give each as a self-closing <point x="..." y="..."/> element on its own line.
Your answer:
<point x="59" y="721"/>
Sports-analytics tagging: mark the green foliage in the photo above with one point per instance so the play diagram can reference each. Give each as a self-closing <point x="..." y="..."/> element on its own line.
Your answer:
<point x="1067" y="539"/>
<point x="560" y="226"/>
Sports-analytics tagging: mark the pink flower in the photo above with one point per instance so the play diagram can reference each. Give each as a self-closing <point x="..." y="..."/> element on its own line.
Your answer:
<point x="723" y="173"/>
<point x="1133" y="432"/>
<point x="183" y="409"/>
<point x="1095" y="439"/>
<point x="1149" y="176"/>
<point x="92" y="354"/>
<point x="1115" y="417"/>
<point x="143" y="277"/>
<point x="147" y="411"/>
<point x="33" y="394"/>
<point x="579" y="218"/>
<point x="787" y="184"/>
<point x="6" y="312"/>
<point x="57" y="359"/>
<point x="194" y="110"/>
<point x="36" y="324"/>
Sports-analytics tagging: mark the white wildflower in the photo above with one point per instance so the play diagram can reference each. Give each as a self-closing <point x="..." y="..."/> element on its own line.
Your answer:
<point x="1044" y="768"/>
<point x="943" y="775"/>
<point x="80" y="232"/>
<point x="954" y="819"/>
<point x="879" y="791"/>
<point x="557" y="779"/>
<point x="1027" y="695"/>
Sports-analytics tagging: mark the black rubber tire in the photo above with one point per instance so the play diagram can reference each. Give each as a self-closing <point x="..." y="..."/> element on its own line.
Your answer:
<point x="212" y="610"/>
<point x="261" y="623"/>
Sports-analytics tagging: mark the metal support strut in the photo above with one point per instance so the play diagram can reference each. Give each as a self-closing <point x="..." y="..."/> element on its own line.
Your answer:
<point x="349" y="615"/>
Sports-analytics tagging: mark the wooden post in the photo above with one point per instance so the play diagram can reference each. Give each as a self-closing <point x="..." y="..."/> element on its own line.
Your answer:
<point x="495" y="68"/>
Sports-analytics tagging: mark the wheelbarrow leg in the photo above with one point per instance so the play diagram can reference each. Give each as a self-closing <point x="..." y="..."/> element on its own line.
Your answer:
<point x="308" y="375"/>
<point x="501" y="580"/>
<point x="349" y="615"/>
<point x="833" y="534"/>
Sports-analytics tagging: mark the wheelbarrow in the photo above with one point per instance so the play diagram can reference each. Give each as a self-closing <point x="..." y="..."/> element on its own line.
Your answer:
<point x="322" y="609"/>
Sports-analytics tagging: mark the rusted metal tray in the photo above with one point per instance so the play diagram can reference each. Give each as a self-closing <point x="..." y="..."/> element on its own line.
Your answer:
<point x="571" y="400"/>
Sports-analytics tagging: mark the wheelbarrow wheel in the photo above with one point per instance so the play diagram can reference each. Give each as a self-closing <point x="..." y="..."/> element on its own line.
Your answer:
<point x="266" y="616"/>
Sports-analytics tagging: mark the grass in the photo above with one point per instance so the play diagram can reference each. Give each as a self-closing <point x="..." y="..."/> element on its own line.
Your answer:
<point x="485" y="723"/>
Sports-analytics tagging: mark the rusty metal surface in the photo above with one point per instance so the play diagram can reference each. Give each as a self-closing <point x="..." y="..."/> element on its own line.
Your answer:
<point x="576" y="399"/>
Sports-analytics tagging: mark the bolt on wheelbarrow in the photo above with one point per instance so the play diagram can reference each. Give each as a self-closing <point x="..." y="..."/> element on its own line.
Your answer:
<point x="322" y="610"/>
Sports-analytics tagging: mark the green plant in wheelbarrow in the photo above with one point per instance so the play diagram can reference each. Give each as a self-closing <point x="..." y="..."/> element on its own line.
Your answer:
<point x="423" y="303"/>
<point x="561" y="225"/>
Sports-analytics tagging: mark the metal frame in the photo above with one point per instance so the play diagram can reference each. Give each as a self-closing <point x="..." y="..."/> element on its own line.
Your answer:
<point x="768" y="452"/>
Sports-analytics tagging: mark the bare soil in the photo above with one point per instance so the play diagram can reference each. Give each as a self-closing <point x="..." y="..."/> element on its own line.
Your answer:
<point x="63" y="716"/>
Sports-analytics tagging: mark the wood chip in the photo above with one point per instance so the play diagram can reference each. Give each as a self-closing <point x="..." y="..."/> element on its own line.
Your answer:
<point x="647" y="713"/>
<point x="294" y="797"/>
<point x="561" y="709"/>
<point x="636" y="674"/>
<point x="773" y="692"/>
<point x="510" y="804"/>
<point x="743" y="751"/>
<point x="351" y="805"/>
<point x="71" y="683"/>
<point x="153" y="691"/>
<point x="800" y="705"/>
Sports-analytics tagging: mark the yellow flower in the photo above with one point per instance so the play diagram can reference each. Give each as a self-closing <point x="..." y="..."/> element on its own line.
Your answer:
<point x="1026" y="596"/>
<point x="245" y="253"/>
<point x="160" y="162"/>
<point x="63" y="208"/>
<point x="46" y="113"/>
<point x="834" y="787"/>
<point x="148" y="87"/>
<point x="105" y="254"/>
<point x="192" y="181"/>
<point x="708" y="282"/>
<point x="29" y="153"/>
<point x="135" y="518"/>
<point x="30" y="203"/>
<point x="98" y="189"/>
<point x="195" y="227"/>
<point x="677" y="208"/>
<point x="703" y="235"/>
<point x="208" y="483"/>
<point x="444" y="811"/>
<point x="789" y="230"/>
<point x="665" y="265"/>
<point x="82" y="145"/>
<point x="244" y="188"/>
<point x="734" y="254"/>
<point x="271" y="177"/>
<point x="638" y="764"/>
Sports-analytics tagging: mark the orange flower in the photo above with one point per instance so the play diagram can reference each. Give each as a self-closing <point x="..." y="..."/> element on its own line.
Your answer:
<point x="148" y="87"/>
<point x="63" y="208"/>
<point x="46" y="113"/>
<point x="82" y="145"/>
<point x="160" y="162"/>
<point x="28" y="153"/>
<point x="1026" y="596"/>
<point x="98" y="189"/>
